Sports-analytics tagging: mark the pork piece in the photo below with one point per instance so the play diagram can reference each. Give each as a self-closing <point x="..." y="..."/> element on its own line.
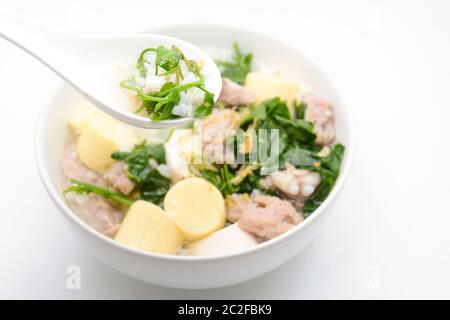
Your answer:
<point x="117" y="178"/>
<point x="236" y="204"/>
<point x="213" y="132"/>
<point x="234" y="94"/>
<point x="294" y="183"/>
<point x="74" y="169"/>
<point x="264" y="216"/>
<point x="320" y="112"/>
<point x="97" y="212"/>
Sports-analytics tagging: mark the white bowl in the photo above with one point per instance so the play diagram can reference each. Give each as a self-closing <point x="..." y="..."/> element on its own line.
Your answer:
<point x="197" y="272"/>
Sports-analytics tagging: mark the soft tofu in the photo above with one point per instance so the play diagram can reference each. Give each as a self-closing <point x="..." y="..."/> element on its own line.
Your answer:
<point x="147" y="227"/>
<point x="231" y="239"/>
<point x="102" y="136"/>
<point x="269" y="86"/>
<point x="196" y="206"/>
<point x="179" y="153"/>
<point x="80" y="118"/>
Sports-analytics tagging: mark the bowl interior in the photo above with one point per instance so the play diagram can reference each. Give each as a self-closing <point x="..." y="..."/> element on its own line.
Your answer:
<point x="52" y="131"/>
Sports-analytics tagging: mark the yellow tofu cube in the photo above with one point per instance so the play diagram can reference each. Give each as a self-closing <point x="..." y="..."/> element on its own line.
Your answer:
<point x="269" y="86"/>
<point x="147" y="227"/>
<point x="196" y="206"/>
<point x="102" y="136"/>
<point x="80" y="117"/>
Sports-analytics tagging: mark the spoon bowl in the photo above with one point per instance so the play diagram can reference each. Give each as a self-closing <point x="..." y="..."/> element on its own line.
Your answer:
<point x="95" y="65"/>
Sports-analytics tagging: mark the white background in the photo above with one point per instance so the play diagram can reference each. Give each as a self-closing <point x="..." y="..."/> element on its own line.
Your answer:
<point x="389" y="236"/>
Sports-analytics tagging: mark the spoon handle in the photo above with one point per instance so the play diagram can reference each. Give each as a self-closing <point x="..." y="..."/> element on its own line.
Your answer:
<point x="42" y="43"/>
<point x="21" y="32"/>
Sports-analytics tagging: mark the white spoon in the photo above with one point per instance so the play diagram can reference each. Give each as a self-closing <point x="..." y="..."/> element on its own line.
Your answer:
<point x="92" y="65"/>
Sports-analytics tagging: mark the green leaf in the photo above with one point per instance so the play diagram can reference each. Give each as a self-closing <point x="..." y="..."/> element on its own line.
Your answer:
<point x="83" y="187"/>
<point x="167" y="59"/>
<point x="252" y="182"/>
<point x="206" y="108"/>
<point x="300" y="109"/>
<point x="169" y="101"/>
<point x="130" y="85"/>
<point x="167" y="86"/>
<point x="329" y="172"/>
<point x="220" y="178"/>
<point x="299" y="158"/>
<point x="194" y="68"/>
<point x="298" y="130"/>
<point x="333" y="161"/>
<point x="141" y="153"/>
<point x="238" y="67"/>
<point x="328" y="179"/>
<point x="268" y="110"/>
<point x="140" y="64"/>
<point x="151" y="184"/>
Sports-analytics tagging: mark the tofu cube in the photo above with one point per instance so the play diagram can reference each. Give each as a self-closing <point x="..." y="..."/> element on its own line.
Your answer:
<point x="269" y="86"/>
<point x="146" y="226"/>
<point x="231" y="239"/>
<point x="196" y="206"/>
<point x="101" y="136"/>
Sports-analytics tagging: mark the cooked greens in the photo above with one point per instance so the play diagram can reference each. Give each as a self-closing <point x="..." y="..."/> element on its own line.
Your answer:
<point x="138" y="158"/>
<point x="253" y="182"/>
<point x="329" y="172"/>
<point x="269" y="140"/>
<point x="220" y="176"/>
<point x="166" y="59"/>
<point x="296" y="146"/>
<point x="237" y="68"/>
<point x="274" y="114"/>
<point x="83" y="187"/>
<point x="299" y="157"/>
<point x="300" y="150"/>
<point x="299" y="110"/>
<point x="172" y="67"/>
<point x="151" y="184"/>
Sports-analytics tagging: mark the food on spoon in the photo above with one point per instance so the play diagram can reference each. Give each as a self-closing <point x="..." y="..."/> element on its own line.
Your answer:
<point x="196" y="206"/>
<point x="147" y="227"/>
<point x="169" y="85"/>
